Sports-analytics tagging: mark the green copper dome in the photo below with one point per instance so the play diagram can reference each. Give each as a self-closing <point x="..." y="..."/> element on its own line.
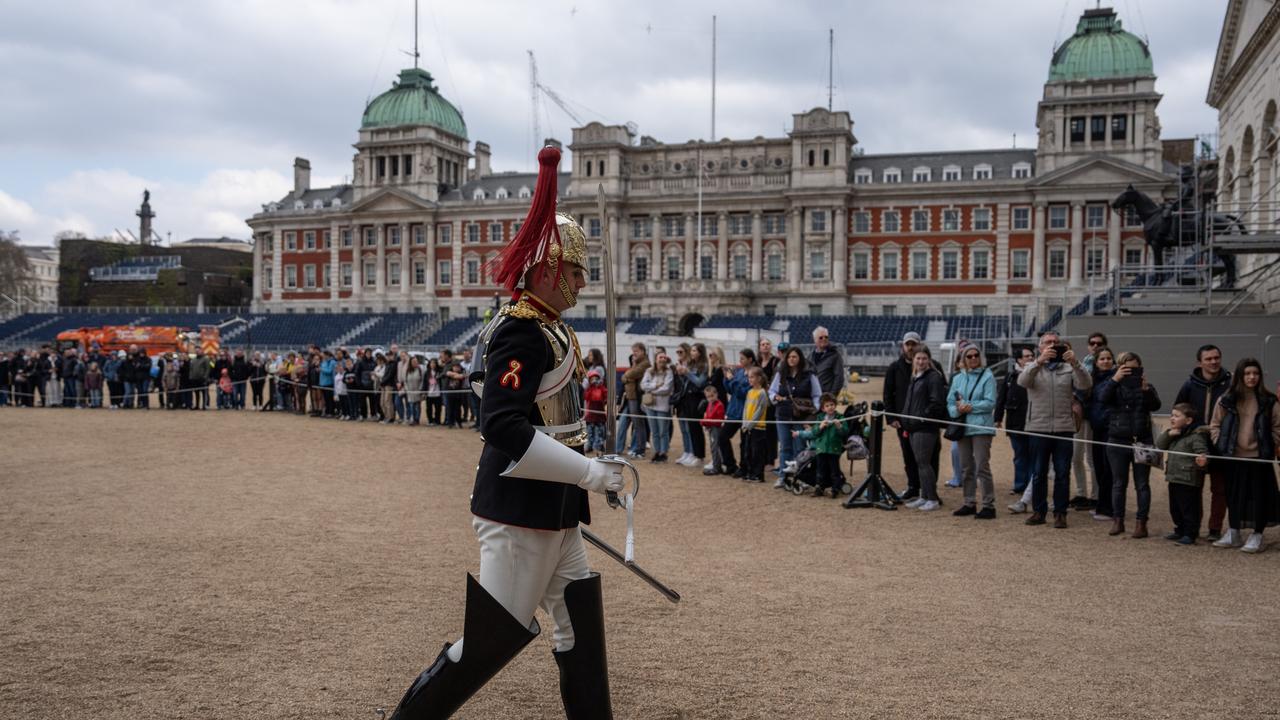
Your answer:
<point x="1100" y="49"/>
<point x="413" y="100"/>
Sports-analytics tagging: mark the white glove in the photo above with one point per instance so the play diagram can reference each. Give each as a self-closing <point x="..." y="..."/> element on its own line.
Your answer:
<point x="603" y="476"/>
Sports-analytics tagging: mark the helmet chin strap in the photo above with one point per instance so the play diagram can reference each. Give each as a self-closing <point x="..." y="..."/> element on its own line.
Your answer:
<point x="565" y="292"/>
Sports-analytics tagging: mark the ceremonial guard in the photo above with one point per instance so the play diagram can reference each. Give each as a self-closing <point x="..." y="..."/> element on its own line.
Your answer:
<point x="531" y="485"/>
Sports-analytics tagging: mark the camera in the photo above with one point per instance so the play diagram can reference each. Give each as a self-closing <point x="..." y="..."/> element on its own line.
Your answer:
<point x="1059" y="350"/>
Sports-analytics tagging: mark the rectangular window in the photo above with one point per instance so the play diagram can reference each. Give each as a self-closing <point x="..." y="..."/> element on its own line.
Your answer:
<point x="817" y="266"/>
<point x="393" y="273"/>
<point x="1021" y="172"/>
<point x="770" y="310"/>
<point x="270" y="276"/>
<point x="633" y="311"/>
<point x="948" y="311"/>
<point x="982" y="173"/>
<point x="889" y="264"/>
<point x="981" y="269"/>
<point x="290" y="276"/>
<point x="394" y="234"/>
<point x="862" y="222"/>
<point x="444" y="234"/>
<point x="950" y="220"/>
<point x="309" y="276"/>
<point x="641" y="228"/>
<point x="889" y="310"/>
<point x="861" y="266"/>
<point x="495" y="232"/>
<point x="1018" y="317"/>
<point x="1095" y="216"/>
<point x="1022" y="218"/>
<point x="419" y="235"/>
<point x="328" y="239"/>
<point x="1133" y="256"/>
<point x="710" y="225"/>
<point x="818" y="220"/>
<point x="1057" y="264"/>
<point x="739" y="224"/>
<point x="1058" y="217"/>
<point x="919" y="264"/>
<point x="370" y="273"/>
<point x="419" y="272"/>
<point x="706" y="267"/>
<point x="593" y="268"/>
<point x="950" y="264"/>
<point x="981" y="219"/>
<point x="920" y="176"/>
<point x="739" y="267"/>
<point x="346" y="270"/>
<point x="1076" y="129"/>
<point x="950" y="174"/>
<point x="472" y="266"/>
<point x="593" y="311"/>
<point x="346" y="237"/>
<point x="775" y="224"/>
<point x="1094" y="259"/>
<point x="642" y="269"/>
<point x="673" y="226"/>
<point x="370" y="237"/>
<point x="919" y="310"/>
<point x="473" y="233"/>
<point x="515" y="227"/>
<point x="444" y="273"/>
<point x="1131" y="218"/>
<point x="815" y="310"/>
<point x="774" y="266"/>
<point x="1098" y="128"/>
<point x="862" y="178"/>
<point x="1021" y="262"/>
<point x="891" y="221"/>
<point x="593" y="228"/>
<point x="473" y="312"/>
<point x="859" y="310"/>
<point x="1119" y="127"/>
<point x="893" y="176"/>
<point x="919" y="221"/>
<point x="291" y="240"/>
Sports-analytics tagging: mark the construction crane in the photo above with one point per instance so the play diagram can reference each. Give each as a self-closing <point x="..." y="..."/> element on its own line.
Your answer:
<point x="536" y="90"/>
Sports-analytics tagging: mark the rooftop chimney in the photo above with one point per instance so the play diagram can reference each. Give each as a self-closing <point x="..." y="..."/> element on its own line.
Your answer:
<point x="301" y="176"/>
<point x="482" y="160"/>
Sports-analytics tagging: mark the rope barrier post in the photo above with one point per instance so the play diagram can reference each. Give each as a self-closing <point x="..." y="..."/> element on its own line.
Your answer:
<point x="874" y="491"/>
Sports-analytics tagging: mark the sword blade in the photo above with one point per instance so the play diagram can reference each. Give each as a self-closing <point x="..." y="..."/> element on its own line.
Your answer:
<point x="610" y="341"/>
<point x="640" y="572"/>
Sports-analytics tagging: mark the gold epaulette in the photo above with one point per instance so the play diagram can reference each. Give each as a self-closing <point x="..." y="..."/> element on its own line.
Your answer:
<point x="523" y="310"/>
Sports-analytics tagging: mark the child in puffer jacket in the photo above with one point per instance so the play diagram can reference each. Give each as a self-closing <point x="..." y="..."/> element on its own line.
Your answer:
<point x="594" y="399"/>
<point x="1185" y="473"/>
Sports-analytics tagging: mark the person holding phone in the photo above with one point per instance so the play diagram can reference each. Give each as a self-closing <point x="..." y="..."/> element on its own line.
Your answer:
<point x="1051" y="382"/>
<point x="1131" y="400"/>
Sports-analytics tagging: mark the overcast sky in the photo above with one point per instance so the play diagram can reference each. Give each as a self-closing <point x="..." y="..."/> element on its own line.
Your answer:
<point x="207" y="103"/>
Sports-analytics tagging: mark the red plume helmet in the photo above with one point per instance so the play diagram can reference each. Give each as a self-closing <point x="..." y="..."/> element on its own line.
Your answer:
<point x="530" y="245"/>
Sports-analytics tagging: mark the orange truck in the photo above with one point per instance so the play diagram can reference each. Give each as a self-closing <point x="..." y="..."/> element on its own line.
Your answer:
<point x="154" y="340"/>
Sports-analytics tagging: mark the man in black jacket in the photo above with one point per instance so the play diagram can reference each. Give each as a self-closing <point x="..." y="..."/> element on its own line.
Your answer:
<point x="1011" y="414"/>
<point x="1207" y="383"/>
<point x="897" y="379"/>
<point x="141" y="366"/>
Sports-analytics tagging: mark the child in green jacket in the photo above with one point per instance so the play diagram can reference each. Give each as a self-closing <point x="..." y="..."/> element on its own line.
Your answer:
<point x="827" y="439"/>
<point x="1185" y="473"/>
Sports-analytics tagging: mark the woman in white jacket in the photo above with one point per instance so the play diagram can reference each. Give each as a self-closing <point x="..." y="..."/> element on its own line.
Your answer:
<point x="656" y="385"/>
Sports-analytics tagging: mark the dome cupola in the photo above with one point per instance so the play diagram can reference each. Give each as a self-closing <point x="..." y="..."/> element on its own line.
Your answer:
<point x="1100" y="49"/>
<point x="414" y="100"/>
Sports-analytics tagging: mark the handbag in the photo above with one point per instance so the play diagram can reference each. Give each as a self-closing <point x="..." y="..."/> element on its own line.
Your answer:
<point x="802" y="408"/>
<point x="1144" y="454"/>
<point x="955" y="433"/>
<point x="647" y="399"/>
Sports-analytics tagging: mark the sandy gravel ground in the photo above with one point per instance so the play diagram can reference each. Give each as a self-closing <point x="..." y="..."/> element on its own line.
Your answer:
<point x="240" y="565"/>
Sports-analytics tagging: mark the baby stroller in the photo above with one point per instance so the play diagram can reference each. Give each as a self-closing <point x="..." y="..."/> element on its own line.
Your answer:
<point x="800" y="475"/>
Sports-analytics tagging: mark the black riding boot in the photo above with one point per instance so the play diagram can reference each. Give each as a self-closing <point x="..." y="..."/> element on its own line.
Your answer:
<point x="584" y="672"/>
<point x="492" y="637"/>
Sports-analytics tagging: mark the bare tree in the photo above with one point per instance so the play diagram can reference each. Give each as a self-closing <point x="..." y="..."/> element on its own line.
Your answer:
<point x="17" y="284"/>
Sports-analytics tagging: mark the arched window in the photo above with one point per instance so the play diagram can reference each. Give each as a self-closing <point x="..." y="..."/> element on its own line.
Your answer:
<point x="502" y="194"/>
<point x="673" y="264"/>
<point x="478" y="194"/>
<point x="601" y="168"/>
<point x="826" y="157"/>
<point x="523" y="193"/>
<point x="810" y="158"/>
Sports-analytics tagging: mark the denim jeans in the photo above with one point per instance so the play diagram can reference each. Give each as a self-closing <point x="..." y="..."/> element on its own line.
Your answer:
<point x="4" y="396"/>
<point x="130" y="394"/>
<point x="95" y="398"/>
<point x="69" y="392"/>
<point x="685" y="443"/>
<point x="639" y="430"/>
<point x="413" y="410"/>
<point x="595" y="436"/>
<point x="144" y="400"/>
<point x="660" y="429"/>
<point x="1051" y="453"/>
<point x="957" y="467"/>
<point x="237" y="396"/>
<point x="398" y="404"/>
<point x="787" y="445"/>
<point x="1120" y="460"/>
<point x="1022" y="461"/>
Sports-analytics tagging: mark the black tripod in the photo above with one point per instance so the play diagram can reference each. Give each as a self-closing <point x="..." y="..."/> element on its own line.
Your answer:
<point x="874" y="491"/>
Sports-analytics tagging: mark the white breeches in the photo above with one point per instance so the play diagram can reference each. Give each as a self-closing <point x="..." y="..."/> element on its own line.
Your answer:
<point x="526" y="569"/>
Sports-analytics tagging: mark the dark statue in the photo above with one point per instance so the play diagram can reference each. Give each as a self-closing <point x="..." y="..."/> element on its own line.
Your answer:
<point x="1164" y="227"/>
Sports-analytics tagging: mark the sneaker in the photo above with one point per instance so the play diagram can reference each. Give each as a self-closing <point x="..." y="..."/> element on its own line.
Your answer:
<point x="1254" y="545"/>
<point x="986" y="513"/>
<point x="708" y="466"/>
<point x="1186" y="540"/>
<point x="965" y="510"/>
<point x="953" y="483"/>
<point x="1230" y="539"/>
<point x="1018" y="507"/>
<point x="915" y="502"/>
<point x="780" y="484"/>
<point x="710" y="471"/>
<point x="683" y="457"/>
<point x="1100" y="517"/>
<point x="929" y="506"/>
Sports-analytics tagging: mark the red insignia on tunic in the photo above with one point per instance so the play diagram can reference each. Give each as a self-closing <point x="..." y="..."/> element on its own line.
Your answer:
<point x="512" y="376"/>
